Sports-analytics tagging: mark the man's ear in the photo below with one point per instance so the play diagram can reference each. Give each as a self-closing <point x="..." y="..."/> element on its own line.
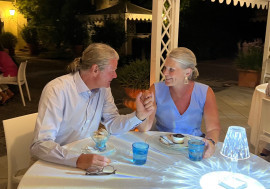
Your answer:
<point x="95" y="68"/>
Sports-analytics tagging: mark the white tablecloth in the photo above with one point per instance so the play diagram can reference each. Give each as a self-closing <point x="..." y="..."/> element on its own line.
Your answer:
<point x="255" y="112"/>
<point x="165" y="168"/>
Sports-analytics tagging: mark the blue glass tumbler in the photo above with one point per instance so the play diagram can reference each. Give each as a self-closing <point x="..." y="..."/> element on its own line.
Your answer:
<point x="140" y="151"/>
<point x="195" y="149"/>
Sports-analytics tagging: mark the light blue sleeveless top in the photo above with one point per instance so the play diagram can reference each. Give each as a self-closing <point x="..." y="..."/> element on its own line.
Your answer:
<point x="168" y="117"/>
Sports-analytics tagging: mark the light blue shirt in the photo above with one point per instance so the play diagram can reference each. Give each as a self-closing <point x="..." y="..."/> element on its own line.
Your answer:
<point x="69" y="111"/>
<point x="168" y="117"/>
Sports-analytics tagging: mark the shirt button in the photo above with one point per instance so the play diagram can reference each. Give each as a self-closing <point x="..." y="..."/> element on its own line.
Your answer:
<point x="87" y="121"/>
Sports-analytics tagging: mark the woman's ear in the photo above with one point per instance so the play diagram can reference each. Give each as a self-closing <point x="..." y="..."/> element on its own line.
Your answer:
<point x="188" y="72"/>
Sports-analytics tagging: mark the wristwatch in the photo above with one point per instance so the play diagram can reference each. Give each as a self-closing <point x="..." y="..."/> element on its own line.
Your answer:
<point x="212" y="141"/>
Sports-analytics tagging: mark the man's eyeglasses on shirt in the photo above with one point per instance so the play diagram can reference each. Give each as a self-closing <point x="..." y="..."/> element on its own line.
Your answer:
<point x="107" y="170"/>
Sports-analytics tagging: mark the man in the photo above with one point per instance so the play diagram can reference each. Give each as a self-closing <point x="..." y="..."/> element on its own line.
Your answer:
<point x="72" y="106"/>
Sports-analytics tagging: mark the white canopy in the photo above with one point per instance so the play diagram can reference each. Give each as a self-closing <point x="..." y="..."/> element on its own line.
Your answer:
<point x="126" y="10"/>
<point x="260" y="3"/>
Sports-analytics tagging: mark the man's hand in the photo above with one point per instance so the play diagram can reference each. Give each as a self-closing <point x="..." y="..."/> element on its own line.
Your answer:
<point x="86" y="160"/>
<point x="144" y="104"/>
<point x="209" y="148"/>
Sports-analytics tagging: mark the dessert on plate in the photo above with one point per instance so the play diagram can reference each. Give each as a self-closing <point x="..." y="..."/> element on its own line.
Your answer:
<point x="178" y="138"/>
<point x="172" y="139"/>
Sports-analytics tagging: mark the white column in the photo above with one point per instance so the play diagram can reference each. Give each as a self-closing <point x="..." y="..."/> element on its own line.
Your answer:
<point x="156" y="40"/>
<point x="266" y="52"/>
<point x="126" y="45"/>
<point x="170" y="31"/>
<point x="175" y="23"/>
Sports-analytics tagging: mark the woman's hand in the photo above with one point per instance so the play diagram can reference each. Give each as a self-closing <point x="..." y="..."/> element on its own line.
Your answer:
<point x="209" y="148"/>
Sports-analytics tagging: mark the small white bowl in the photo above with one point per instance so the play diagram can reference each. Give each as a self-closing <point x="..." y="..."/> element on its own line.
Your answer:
<point x="178" y="138"/>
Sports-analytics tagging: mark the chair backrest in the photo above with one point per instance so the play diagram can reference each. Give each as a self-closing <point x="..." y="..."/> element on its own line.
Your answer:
<point x="19" y="135"/>
<point x="266" y="76"/>
<point x="265" y="116"/>
<point x="21" y="76"/>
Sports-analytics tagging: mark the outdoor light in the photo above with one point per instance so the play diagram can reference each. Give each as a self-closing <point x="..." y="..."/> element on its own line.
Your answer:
<point x="12" y="12"/>
<point x="235" y="145"/>
<point x="236" y="148"/>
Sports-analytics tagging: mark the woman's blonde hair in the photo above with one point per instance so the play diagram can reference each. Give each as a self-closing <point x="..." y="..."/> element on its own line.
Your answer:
<point x="96" y="53"/>
<point x="186" y="59"/>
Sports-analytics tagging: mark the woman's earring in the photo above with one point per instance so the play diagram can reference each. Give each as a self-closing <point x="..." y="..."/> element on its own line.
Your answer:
<point x="186" y="80"/>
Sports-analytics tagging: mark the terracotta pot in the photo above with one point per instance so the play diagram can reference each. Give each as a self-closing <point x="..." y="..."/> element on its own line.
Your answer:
<point x="248" y="78"/>
<point x="132" y="93"/>
<point x="130" y="103"/>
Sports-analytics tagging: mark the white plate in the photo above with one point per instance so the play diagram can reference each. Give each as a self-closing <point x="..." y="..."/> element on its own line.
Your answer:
<point x="155" y="143"/>
<point x="89" y="149"/>
<point x="174" y="145"/>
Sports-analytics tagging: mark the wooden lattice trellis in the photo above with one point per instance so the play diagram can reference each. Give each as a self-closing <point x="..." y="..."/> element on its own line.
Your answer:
<point x="164" y="35"/>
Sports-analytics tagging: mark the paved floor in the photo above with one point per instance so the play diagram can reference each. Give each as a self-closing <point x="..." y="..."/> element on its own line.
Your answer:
<point x="233" y="101"/>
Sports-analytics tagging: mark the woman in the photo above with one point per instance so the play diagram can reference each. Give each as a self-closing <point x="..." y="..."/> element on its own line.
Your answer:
<point x="181" y="103"/>
<point x="9" y="73"/>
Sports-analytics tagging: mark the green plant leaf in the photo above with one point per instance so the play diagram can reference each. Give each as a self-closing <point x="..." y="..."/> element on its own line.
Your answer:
<point x="135" y="75"/>
<point x="250" y="60"/>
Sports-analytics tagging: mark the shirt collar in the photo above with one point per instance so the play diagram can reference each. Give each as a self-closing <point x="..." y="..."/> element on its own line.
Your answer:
<point x="81" y="86"/>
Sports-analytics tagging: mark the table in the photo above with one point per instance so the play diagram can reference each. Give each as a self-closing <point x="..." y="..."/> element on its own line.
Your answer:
<point x="165" y="168"/>
<point x="255" y="112"/>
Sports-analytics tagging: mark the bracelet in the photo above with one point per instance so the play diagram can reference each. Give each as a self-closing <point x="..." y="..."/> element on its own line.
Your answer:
<point x="138" y="118"/>
<point x="143" y="120"/>
<point x="212" y="141"/>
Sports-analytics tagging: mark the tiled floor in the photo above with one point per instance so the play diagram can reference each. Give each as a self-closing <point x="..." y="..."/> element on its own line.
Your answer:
<point x="233" y="105"/>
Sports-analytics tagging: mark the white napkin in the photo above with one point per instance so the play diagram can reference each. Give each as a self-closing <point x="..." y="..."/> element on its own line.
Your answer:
<point x="165" y="140"/>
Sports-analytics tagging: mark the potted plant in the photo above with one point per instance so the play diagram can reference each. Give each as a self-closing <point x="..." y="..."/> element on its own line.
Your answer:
<point x="30" y="36"/>
<point x="249" y="64"/>
<point x="134" y="78"/>
<point x="9" y="42"/>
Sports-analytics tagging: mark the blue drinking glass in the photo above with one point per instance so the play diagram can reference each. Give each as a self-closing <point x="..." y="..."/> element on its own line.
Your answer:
<point x="195" y="149"/>
<point x="140" y="151"/>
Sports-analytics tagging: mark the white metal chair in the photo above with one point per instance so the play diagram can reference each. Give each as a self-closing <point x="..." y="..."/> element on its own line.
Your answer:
<point x="19" y="135"/>
<point x="264" y="129"/>
<point x="266" y="76"/>
<point x="21" y="79"/>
